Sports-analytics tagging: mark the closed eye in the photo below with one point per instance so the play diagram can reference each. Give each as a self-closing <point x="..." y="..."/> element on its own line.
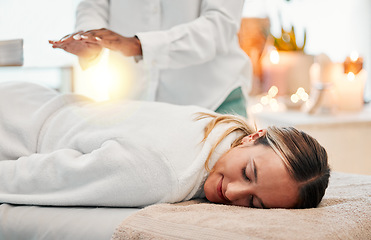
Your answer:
<point x="252" y="201"/>
<point x="245" y="175"/>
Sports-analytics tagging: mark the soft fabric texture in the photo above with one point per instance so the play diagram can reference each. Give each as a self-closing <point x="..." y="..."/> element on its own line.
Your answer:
<point x="63" y="149"/>
<point x="345" y="213"/>
<point x="191" y="53"/>
<point x="24" y="222"/>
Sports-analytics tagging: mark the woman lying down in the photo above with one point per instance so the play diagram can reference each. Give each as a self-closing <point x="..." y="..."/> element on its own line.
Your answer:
<point x="66" y="150"/>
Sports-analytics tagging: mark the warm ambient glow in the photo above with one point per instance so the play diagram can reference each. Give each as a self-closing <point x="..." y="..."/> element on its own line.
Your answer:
<point x="295" y="98"/>
<point x="105" y="80"/>
<point x="299" y="95"/>
<point x="257" y="108"/>
<point x="267" y="100"/>
<point x="272" y="92"/>
<point x="102" y="79"/>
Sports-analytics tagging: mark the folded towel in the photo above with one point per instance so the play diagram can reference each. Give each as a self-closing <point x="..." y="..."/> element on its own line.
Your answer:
<point x="345" y="213"/>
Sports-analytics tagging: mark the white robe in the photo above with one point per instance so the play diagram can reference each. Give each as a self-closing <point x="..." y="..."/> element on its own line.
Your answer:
<point x="64" y="149"/>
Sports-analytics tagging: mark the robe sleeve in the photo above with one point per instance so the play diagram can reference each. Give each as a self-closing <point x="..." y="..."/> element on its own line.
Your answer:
<point x="116" y="174"/>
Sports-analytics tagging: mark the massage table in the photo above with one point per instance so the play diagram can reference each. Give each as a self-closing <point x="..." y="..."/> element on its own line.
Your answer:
<point x="344" y="213"/>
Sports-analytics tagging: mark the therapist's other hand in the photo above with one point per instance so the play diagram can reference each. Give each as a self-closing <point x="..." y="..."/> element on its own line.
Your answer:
<point x="72" y="43"/>
<point x="128" y="46"/>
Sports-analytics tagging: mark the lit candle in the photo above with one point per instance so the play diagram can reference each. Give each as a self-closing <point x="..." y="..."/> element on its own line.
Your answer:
<point x="353" y="63"/>
<point x="286" y="70"/>
<point x="274" y="57"/>
<point x="273" y="72"/>
<point x="349" y="89"/>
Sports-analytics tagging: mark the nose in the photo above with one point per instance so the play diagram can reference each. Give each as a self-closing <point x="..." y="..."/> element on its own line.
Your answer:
<point x="237" y="190"/>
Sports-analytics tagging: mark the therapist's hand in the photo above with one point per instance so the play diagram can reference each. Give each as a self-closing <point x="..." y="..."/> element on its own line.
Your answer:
<point x="72" y="43"/>
<point x="128" y="46"/>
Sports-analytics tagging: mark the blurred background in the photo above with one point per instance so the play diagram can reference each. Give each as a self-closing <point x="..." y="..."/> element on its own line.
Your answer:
<point x="332" y="27"/>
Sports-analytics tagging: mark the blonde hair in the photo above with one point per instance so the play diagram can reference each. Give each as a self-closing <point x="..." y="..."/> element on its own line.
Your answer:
<point x="304" y="158"/>
<point x="239" y="124"/>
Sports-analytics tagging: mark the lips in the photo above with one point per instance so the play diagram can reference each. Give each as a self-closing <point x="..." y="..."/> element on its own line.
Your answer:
<point x="219" y="190"/>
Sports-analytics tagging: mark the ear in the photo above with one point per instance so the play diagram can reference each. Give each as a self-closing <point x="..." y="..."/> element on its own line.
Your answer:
<point x="252" y="137"/>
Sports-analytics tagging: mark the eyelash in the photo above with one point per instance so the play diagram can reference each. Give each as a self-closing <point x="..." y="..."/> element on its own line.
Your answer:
<point x="244" y="175"/>
<point x="251" y="201"/>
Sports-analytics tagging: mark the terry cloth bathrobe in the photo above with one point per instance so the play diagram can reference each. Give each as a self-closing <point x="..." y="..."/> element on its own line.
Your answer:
<point x="64" y="149"/>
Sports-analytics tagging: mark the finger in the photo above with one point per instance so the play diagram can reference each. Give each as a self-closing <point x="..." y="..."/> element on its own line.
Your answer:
<point x="65" y="38"/>
<point x="86" y="36"/>
<point x="70" y="36"/>
<point x="77" y="37"/>
<point x="54" y="41"/>
<point x="91" y="38"/>
<point x="57" y="45"/>
<point x="100" y="33"/>
<point x="61" y="44"/>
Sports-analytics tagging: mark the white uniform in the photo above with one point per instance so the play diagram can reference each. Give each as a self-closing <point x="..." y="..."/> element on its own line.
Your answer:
<point x="67" y="150"/>
<point x="191" y="54"/>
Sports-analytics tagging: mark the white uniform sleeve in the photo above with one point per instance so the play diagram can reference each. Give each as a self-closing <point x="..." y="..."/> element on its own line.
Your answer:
<point x="195" y="42"/>
<point x="92" y="14"/>
<point x="116" y="174"/>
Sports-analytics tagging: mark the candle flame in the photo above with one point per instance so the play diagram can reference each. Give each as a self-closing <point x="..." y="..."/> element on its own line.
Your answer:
<point x="351" y="76"/>
<point x="354" y="56"/>
<point x="274" y="56"/>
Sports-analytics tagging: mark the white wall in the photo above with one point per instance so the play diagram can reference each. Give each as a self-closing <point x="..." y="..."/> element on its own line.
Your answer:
<point x="334" y="27"/>
<point x="37" y="21"/>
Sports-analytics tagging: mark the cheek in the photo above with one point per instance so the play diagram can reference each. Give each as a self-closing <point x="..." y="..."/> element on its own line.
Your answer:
<point x="209" y="182"/>
<point x="209" y="187"/>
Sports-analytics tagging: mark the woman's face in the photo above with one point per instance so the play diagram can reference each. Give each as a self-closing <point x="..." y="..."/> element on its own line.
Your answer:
<point x="252" y="176"/>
